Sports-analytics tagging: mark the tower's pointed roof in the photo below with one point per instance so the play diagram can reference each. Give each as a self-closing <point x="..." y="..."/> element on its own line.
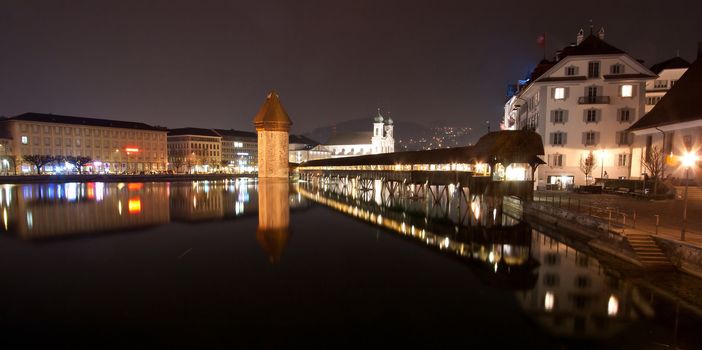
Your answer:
<point x="272" y="113"/>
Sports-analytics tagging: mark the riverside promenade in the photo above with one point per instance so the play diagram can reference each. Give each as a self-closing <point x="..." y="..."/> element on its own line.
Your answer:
<point x="642" y="231"/>
<point x="657" y="217"/>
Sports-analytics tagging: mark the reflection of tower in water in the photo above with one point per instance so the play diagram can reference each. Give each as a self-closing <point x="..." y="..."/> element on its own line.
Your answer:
<point x="273" y="230"/>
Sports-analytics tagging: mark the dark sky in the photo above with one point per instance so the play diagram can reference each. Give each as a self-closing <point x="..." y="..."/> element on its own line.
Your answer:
<point x="210" y="63"/>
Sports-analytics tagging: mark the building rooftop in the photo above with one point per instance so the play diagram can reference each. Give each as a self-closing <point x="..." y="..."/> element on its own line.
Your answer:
<point x="235" y="133"/>
<point x="351" y="138"/>
<point x="680" y="104"/>
<point x="301" y="139"/>
<point x="592" y="45"/>
<point x="673" y="63"/>
<point x="64" y="119"/>
<point x="192" y="131"/>
<point x="506" y="147"/>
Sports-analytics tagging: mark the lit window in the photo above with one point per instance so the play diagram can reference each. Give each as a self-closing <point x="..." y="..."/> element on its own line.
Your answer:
<point x="627" y="90"/>
<point x="559" y="94"/>
<point x="25" y="140"/>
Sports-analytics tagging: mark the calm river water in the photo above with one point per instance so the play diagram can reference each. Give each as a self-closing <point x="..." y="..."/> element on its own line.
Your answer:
<point x="275" y="264"/>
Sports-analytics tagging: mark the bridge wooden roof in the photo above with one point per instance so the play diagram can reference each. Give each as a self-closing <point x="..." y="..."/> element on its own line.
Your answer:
<point x="506" y="147"/>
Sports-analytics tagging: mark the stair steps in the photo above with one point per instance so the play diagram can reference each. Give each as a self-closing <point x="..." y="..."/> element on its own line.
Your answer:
<point x="650" y="255"/>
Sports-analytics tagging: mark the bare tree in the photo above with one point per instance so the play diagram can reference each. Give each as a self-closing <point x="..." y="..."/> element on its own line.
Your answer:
<point x="38" y="161"/>
<point x="654" y="163"/>
<point x="177" y="163"/>
<point x="587" y="165"/>
<point x="79" y="162"/>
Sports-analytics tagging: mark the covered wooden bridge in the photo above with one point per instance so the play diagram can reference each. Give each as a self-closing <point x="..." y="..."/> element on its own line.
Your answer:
<point x="500" y="163"/>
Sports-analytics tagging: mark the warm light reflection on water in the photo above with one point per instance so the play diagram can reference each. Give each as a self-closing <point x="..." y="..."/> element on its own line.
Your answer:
<point x="564" y="293"/>
<point x="37" y="211"/>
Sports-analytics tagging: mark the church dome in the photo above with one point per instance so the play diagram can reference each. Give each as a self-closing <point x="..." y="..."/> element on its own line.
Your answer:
<point x="389" y="121"/>
<point x="378" y="118"/>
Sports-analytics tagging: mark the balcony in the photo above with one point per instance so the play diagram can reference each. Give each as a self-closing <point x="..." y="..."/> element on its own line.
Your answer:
<point x="593" y="100"/>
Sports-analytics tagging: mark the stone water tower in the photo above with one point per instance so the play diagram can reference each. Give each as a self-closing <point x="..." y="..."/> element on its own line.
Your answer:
<point x="272" y="126"/>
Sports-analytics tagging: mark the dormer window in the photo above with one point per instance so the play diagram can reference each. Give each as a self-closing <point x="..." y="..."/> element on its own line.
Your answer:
<point x="616" y="69"/>
<point x="571" y="71"/>
<point x="593" y="69"/>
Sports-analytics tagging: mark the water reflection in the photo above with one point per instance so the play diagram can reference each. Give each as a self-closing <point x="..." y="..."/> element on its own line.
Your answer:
<point x="273" y="230"/>
<point x="568" y="293"/>
<point x="54" y="211"/>
<point x="578" y="297"/>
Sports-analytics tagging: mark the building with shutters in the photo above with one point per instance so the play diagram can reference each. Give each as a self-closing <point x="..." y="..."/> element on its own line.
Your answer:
<point x="673" y="126"/>
<point x="669" y="72"/>
<point x="582" y="101"/>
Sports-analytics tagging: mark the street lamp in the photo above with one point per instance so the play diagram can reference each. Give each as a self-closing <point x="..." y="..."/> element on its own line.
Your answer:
<point x="602" y="161"/>
<point x="688" y="160"/>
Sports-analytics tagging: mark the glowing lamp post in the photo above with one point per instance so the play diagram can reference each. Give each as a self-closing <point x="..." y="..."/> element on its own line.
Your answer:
<point x="688" y="160"/>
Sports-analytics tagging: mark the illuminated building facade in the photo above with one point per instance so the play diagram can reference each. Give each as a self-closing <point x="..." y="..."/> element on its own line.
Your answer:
<point x="669" y="72"/>
<point x="302" y="149"/>
<point x="380" y="140"/>
<point x="583" y="101"/>
<point x="105" y="141"/>
<point x="672" y="127"/>
<point x="239" y="150"/>
<point x="194" y="150"/>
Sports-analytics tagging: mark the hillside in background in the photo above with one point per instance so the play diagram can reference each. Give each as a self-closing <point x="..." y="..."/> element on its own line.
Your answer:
<point x="409" y="136"/>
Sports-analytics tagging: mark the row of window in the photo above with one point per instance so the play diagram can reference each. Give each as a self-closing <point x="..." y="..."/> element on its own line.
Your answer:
<point x="193" y="146"/>
<point x="652" y="100"/>
<point x="202" y="153"/>
<point x="593" y="69"/>
<point x="58" y="130"/>
<point x="88" y="153"/>
<point x="557" y="160"/>
<point x="663" y="84"/>
<point x="589" y="138"/>
<point x="68" y="142"/>
<point x="562" y="93"/>
<point x="592" y="115"/>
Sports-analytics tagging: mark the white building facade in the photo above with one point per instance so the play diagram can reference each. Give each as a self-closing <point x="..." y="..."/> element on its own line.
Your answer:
<point x="582" y="102"/>
<point x="380" y="140"/>
<point x="673" y="127"/>
<point x="669" y="72"/>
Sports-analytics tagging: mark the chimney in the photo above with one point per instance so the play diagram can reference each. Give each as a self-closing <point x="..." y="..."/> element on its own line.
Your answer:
<point x="580" y="37"/>
<point x="699" y="49"/>
<point x="600" y="34"/>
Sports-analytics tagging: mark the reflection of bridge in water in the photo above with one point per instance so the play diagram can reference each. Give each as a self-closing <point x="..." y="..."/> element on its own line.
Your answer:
<point x="566" y="292"/>
<point x="498" y="244"/>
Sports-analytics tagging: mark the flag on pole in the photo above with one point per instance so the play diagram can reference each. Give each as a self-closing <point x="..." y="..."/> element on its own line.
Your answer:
<point x="541" y="40"/>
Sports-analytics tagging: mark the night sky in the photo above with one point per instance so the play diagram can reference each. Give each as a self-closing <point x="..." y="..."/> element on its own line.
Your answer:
<point x="210" y="63"/>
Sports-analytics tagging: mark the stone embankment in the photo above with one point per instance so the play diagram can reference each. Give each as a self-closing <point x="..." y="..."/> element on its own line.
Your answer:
<point x="639" y="248"/>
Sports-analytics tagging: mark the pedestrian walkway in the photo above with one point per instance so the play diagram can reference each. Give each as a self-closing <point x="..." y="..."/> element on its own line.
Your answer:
<point x="661" y="217"/>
